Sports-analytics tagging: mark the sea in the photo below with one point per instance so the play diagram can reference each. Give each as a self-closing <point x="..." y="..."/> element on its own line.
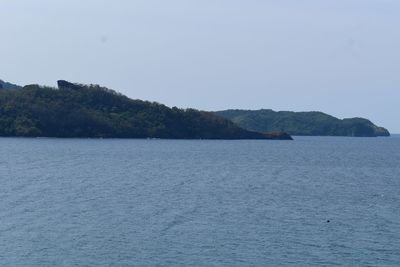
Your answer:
<point x="314" y="201"/>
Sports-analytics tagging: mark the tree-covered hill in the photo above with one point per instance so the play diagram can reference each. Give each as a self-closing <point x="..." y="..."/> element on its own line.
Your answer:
<point x="302" y="123"/>
<point x="75" y="110"/>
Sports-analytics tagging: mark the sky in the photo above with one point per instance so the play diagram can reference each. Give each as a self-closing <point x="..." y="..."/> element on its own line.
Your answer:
<point x="341" y="57"/>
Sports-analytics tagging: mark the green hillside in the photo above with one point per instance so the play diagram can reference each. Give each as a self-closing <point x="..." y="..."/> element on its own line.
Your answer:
<point x="74" y="110"/>
<point x="302" y="123"/>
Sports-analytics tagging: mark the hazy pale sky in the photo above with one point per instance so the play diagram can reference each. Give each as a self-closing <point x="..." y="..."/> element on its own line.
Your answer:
<point x="337" y="56"/>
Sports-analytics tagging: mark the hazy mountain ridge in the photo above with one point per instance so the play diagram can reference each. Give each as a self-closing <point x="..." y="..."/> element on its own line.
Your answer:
<point x="303" y="123"/>
<point x="75" y="110"/>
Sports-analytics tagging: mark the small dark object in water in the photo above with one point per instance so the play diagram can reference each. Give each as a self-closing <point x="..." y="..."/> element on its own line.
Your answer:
<point x="328" y="221"/>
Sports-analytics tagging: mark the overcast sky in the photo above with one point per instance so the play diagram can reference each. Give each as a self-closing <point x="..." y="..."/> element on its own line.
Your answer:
<point x="337" y="56"/>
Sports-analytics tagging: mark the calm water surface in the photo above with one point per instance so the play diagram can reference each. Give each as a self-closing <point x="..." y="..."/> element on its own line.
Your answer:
<point x="66" y="202"/>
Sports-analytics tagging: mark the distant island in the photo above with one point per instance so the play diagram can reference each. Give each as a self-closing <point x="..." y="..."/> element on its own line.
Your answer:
<point x="302" y="123"/>
<point x="75" y="110"/>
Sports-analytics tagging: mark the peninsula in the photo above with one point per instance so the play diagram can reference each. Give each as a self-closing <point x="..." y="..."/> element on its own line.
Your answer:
<point x="302" y="123"/>
<point x="92" y="111"/>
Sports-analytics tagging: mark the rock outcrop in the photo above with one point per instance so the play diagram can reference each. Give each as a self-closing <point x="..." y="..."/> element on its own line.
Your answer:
<point x="8" y="86"/>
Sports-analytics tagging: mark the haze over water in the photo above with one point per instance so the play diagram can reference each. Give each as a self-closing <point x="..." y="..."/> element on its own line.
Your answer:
<point x="68" y="202"/>
<point x="339" y="57"/>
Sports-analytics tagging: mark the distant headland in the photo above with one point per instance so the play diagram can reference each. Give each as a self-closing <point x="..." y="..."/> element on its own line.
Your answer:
<point x="76" y="110"/>
<point x="91" y="111"/>
<point x="303" y="123"/>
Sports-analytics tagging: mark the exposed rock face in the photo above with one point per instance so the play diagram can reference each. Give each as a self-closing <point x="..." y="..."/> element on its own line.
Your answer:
<point x="380" y="131"/>
<point x="8" y="86"/>
<point x="67" y="85"/>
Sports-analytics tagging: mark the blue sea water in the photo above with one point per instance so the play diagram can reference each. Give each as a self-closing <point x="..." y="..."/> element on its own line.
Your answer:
<point x="314" y="201"/>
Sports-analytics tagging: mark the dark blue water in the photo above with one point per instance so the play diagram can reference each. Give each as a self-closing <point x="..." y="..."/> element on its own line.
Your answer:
<point x="200" y="203"/>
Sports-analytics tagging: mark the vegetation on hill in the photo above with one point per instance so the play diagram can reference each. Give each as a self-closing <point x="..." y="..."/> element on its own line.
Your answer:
<point x="302" y="123"/>
<point x="75" y="110"/>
